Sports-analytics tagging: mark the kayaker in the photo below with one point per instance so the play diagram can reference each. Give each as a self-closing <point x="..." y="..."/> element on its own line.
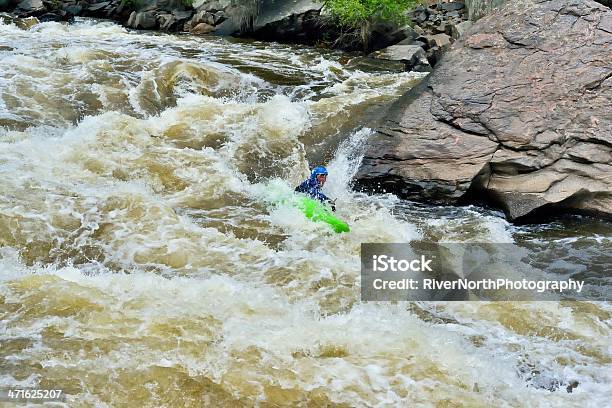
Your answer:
<point x="312" y="186"/>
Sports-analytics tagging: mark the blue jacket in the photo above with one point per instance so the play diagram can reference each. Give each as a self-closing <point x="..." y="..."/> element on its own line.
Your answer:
<point x="312" y="188"/>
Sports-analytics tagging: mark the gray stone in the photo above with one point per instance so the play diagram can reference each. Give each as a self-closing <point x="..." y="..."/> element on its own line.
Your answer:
<point x="516" y="113"/>
<point x="419" y="30"/>
<point x="412" y="56"/>
<point x="131" y="19"/>
<point x="453" y="14"/>
<point x="457" y="30"/>
<point x="451" y="6"/>
<point x="419" y="17"/>
<point x="30" y="6"/>
<point x="22" y="23"/>
<point x="142" y="20"/>
<point x="441" y="41"/>
<point x="203" y="17"/>
<point x="219" y="17"/>
<point x="271" y="11"/>
<point x="409" y="35"/>
<point x="166" y="21"/>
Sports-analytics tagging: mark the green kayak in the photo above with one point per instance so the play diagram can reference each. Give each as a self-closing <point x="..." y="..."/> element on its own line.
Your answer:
<point x="319" y="212"/>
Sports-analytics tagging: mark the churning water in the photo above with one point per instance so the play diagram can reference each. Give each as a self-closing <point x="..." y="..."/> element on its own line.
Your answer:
<point x="143" y="261"/>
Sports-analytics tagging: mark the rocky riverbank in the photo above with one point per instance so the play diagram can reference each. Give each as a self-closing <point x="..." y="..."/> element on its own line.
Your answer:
<point x="518" y="112"/>
<point x="434" y="26"/>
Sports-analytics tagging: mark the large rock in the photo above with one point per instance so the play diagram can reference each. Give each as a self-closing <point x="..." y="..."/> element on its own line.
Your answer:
<point x="413" y="56"/>
<point x="285" y="20"/>
<point x="518" y="112"/>
<point x="30" y="7"/>
<point x="144" y="20"/>
<point x="23" y="23"/>
<point x="275" y="11"/>
<point x="479" y="8"/>
<point x="232" y="16"/>
<point x="458" y="30"/>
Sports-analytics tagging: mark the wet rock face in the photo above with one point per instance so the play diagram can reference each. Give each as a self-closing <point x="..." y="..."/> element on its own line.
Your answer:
<point x="517" y="112"/>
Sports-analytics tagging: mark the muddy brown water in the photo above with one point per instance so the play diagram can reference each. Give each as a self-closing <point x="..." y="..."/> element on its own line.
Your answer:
<point x="144" y="261"/>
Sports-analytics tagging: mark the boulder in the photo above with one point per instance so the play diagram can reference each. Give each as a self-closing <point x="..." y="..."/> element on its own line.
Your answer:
<point x="22" y="23"/>
<point x="202" y="28"/>
<point x="275" y="11"/>
<point x="457" y="30"/>
<point x="30" y="7"/>
<point x="203" y="17"/>
<point x="237" y="17"/>
<point x="166" y="21"/>
<point x="441" y="41"/>
<point x="412" y="56"/>
<point x="282" y="20"/>
<point x="457" y="5"/>
<point x="453" y="14"/>
<point x="145" y="20"/>
<point x="419" y="16"/>
<point x="175" y="21"/>
<point x="518" y="113"/>
<point x="384" y="34"/>
<point x="409" y="34"/>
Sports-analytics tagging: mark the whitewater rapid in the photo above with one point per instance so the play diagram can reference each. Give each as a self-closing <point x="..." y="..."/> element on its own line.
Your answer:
<point x="144" y="260"/>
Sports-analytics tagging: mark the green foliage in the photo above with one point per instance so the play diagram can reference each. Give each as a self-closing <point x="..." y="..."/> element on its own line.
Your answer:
<point x="355" y="13"/>
<point x="187" y="2"/>
<point x="357" y="18"/>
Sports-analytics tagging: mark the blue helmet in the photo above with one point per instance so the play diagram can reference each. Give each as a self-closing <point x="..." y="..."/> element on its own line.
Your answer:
<point x="318" y="170"/>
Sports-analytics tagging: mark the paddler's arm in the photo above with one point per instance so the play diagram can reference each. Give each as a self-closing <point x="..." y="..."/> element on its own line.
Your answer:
<point x="331" y="202"/>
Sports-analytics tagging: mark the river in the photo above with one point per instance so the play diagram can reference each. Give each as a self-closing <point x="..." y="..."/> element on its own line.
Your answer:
<point x="143" y="261"/>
